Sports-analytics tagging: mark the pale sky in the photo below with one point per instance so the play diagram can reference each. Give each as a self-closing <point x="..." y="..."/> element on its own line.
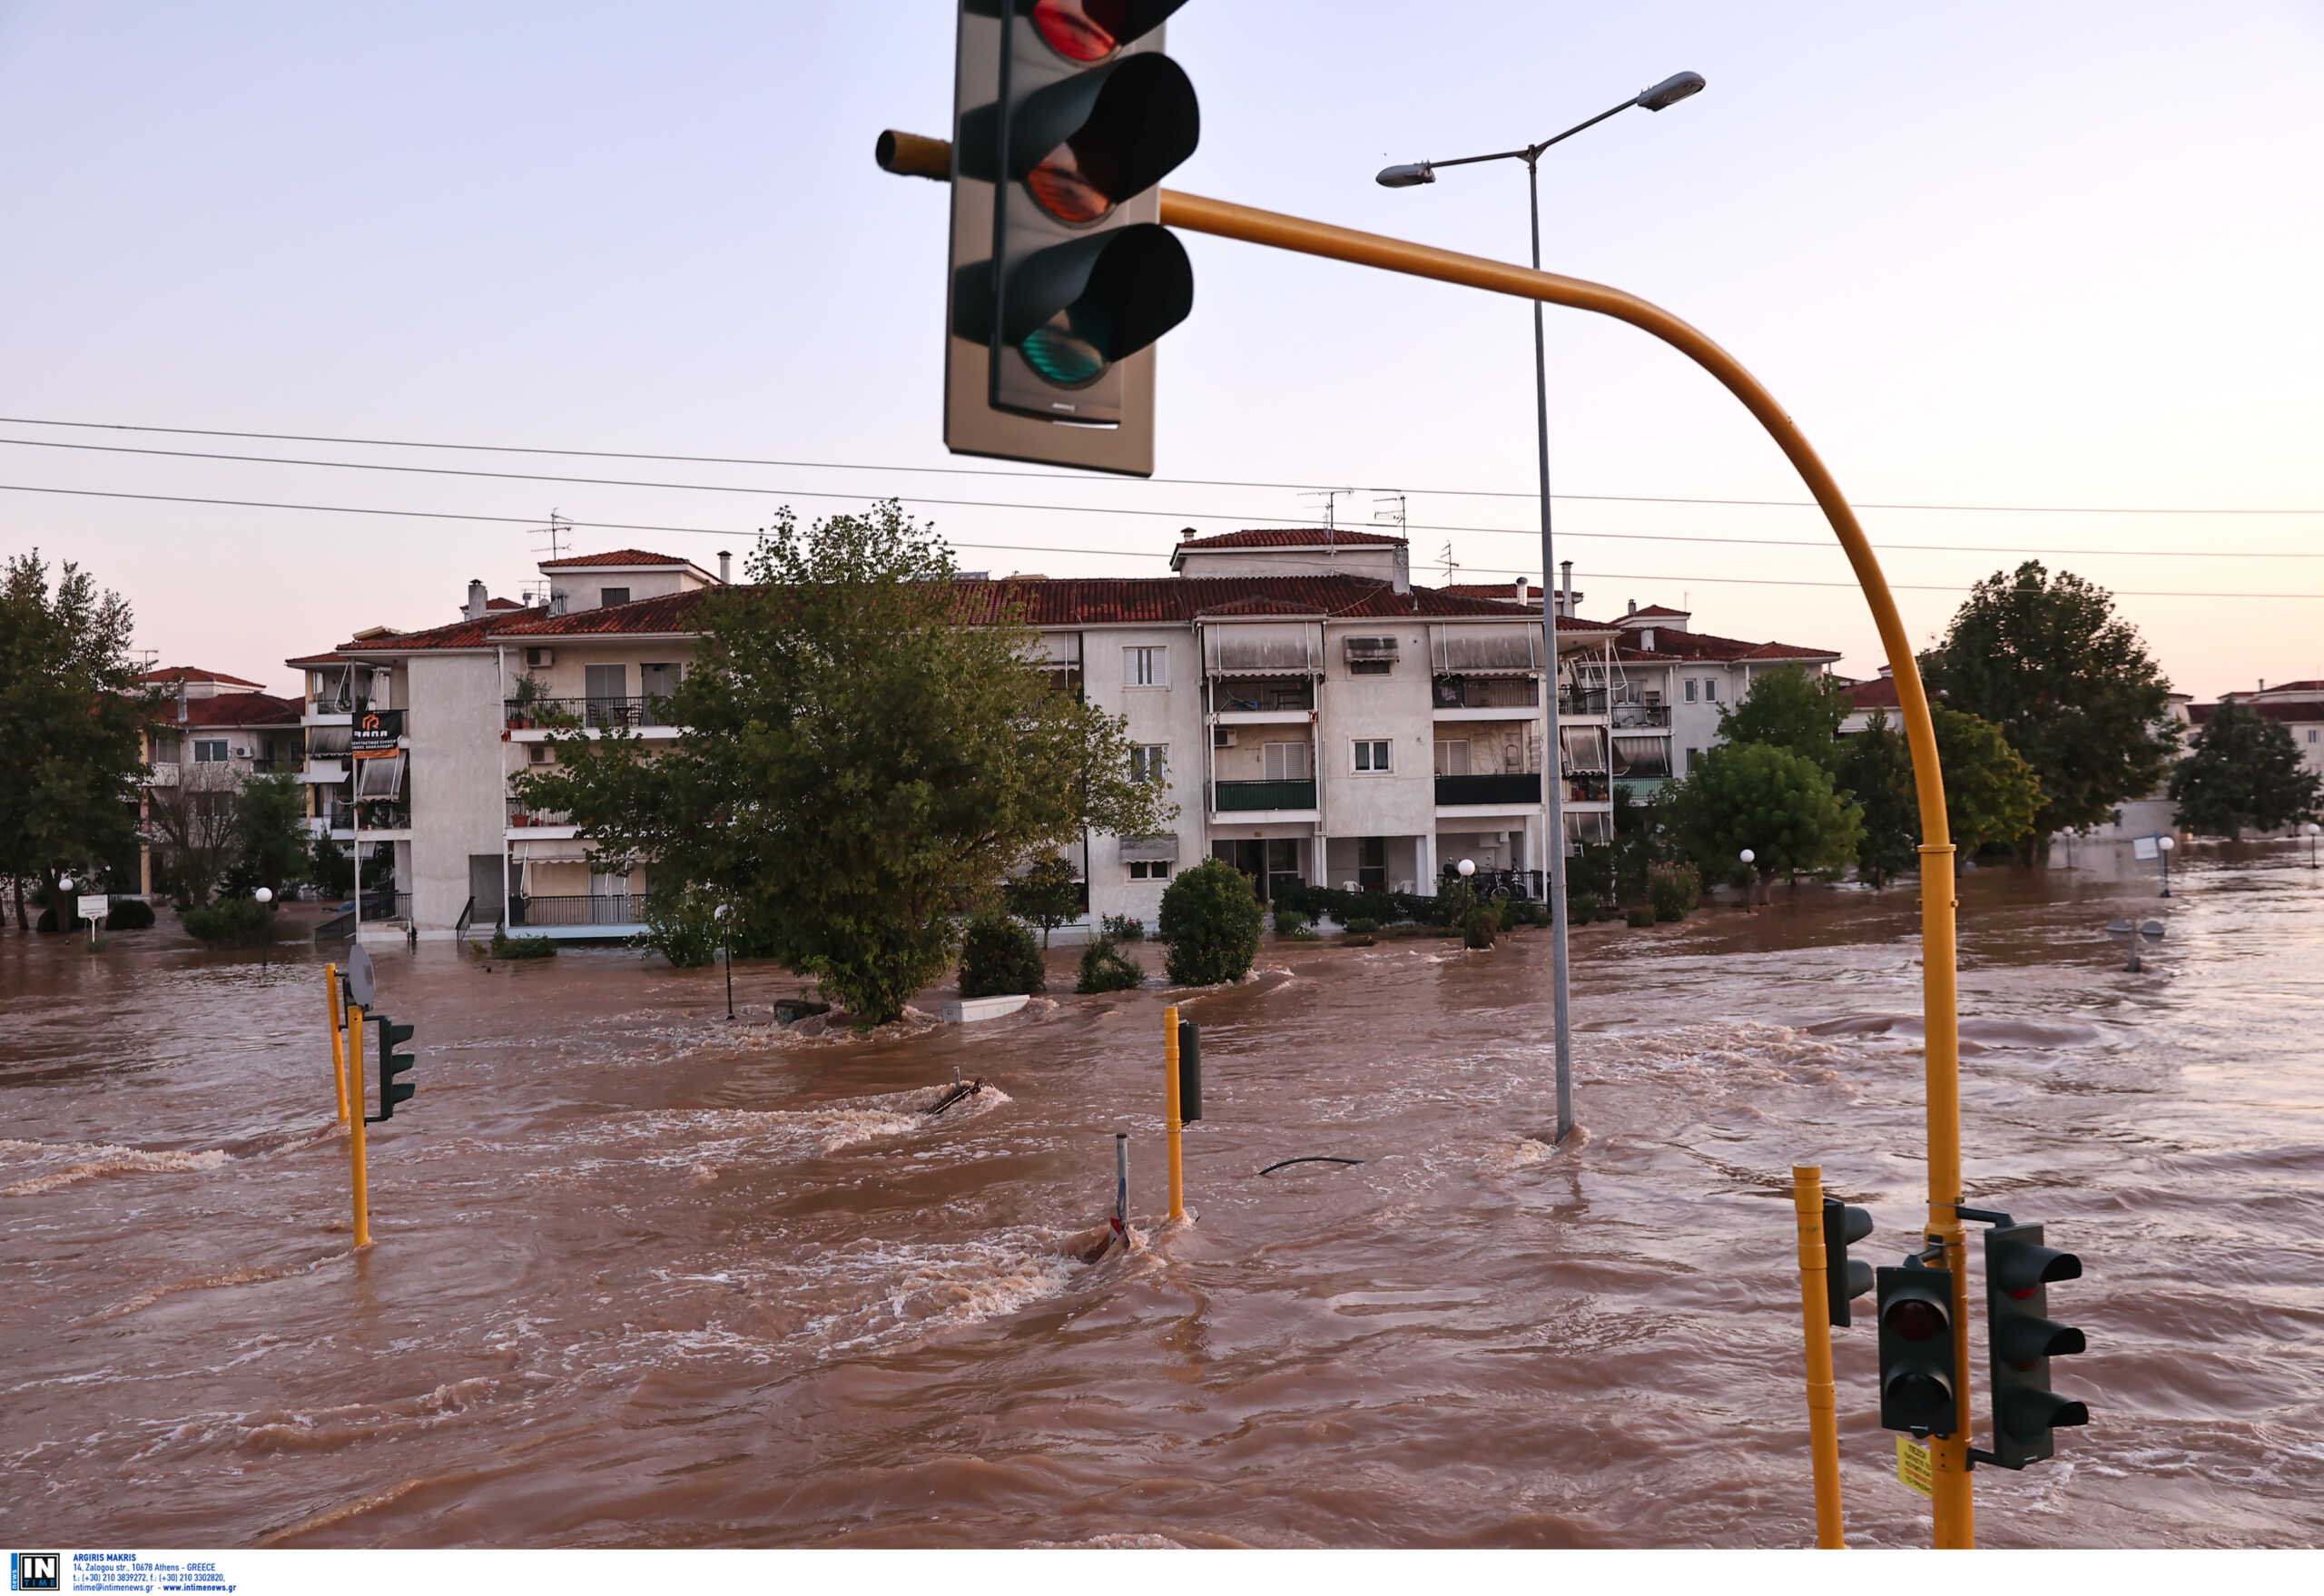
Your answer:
<point x="2017" y="254"/>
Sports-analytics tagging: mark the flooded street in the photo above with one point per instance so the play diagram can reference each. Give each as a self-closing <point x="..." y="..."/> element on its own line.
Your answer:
<point x="644" y="1278"/>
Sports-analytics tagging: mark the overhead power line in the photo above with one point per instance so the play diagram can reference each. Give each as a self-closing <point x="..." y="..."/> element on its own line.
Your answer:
<point x="1528" y="495"/>
<point x="533" y="523"/>
<point x="1236" y="516"/>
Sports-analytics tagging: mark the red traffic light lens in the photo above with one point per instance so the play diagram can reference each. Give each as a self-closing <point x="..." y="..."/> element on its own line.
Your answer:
<point x="1080" y="30"/>
<point x="1914" y="1320"/>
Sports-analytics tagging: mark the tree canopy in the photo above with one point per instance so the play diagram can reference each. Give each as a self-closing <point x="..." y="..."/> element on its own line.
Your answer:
<point x="1991" y="794"/>
<point x="1789" y="708"/>
<point x="1780" y="804"/>
<point x="1876" y="769"/>
<point x="859" y="770"/>
<point x="2069" y="683"/>
<point x="2244" y="770"/>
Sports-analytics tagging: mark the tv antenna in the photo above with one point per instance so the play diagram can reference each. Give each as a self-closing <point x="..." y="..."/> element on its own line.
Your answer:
<point x="1331" y="498"/>
<point x="1381" y="518"/>
<point x="1451" y="565"/>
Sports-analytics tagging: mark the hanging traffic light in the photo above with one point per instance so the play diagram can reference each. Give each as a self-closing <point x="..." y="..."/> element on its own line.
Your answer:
<point x="1845" y="1279"/>
<point x="1918" y="1380"/>
<point x="392" y="1064"/>
<point x="1065" y="117"/>
<point x="2022" y="1339"/>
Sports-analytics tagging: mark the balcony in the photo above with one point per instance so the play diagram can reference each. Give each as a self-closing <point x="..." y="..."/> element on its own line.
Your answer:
<point x="522" y="814"/>
<point x="1588" y="790"/>
<point x="1494" y="789"/>
<point x="1486" y="692"/>
<point x="576" y="908"/>
<point x="1586" y="702"/>
<point x="594" y="714"/>
<point x="1249" y="795"/>
<point x="164" y="775"/>
<point x="1261" y="695"/>
<point x="1650" y="718"/>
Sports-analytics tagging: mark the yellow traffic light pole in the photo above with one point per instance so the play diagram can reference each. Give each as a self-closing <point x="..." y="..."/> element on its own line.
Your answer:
<point x="337" y="1040"/>
<point x="912" y="155"/>
<point x="1172" y="1124"/>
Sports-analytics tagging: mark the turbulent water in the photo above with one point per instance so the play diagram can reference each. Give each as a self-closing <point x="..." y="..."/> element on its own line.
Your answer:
<point x="644" y="1278"/>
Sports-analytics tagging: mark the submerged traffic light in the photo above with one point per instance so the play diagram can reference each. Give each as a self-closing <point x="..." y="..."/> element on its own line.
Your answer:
<point x="2023" y="1339"/>
<point x="1066" y="117"/>
<point x="392" y="1064"/>
<point x="1845" y="1279"/>
<point x="1918" y="1379"/>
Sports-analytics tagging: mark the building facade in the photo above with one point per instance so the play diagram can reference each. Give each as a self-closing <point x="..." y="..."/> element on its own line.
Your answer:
<point x="213" y="733"/>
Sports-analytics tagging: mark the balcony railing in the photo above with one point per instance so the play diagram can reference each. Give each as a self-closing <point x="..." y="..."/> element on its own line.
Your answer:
<point x="377" y="816"/>
<point x="577" y="909"/>
<point x="1650" y="716"/>
<point x="1486" y="692"/>
<point x="1501" y="788"/>
<point x="1229" y="795"/>
<point x="165" y="774"/>
<point x="598" y="712"/>
<point x="1582" y="701"/>
<point x="521" y="813"/>
<point x="384" y="904"/>
<point x="1231" y="695"/>
<point x="1588" y="790"/>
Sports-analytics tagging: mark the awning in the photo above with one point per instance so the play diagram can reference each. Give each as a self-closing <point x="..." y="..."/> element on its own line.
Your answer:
<point x="379" y="778"/>
<point x="1641" y="756"/>
<point x="1585" y="749"/>
<point x="1147" y="849"/>
<point x="1371" y="649"/>
<point x="549" y="850"/>
<point x="1488" y="650"/>
<point x="1252" y="649"/>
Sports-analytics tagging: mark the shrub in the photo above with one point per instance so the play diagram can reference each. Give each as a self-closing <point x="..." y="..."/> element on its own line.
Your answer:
<point x="507" y="947"/>
<point x="331" y="867"/>
<point x="231" y="922"/>
<point x="1452" y="906"/>
<point x="1580" y="908"/>
<point x="47" y="924"/>
<point x="1121" y="927"/>
<point x="1673" y="890"/>
<point x="1509" y="911"/>
<point x="130" y="914"/>
<point x="1639" y="917"/>
<point x="1531" y="914"/>
<point x="1361" y="926"/>
<point x="999" y="958"/>
<point x="1302" y="933"/>
<point x="1289" y="922"/>
<point x="1211" y="919"/>
<point x="1480" y="928"/>
<point x="1105" y="968"/>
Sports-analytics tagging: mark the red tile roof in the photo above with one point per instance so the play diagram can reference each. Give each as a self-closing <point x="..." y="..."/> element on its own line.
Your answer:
<point x="1673" y="647"/>
<point x="502" y="604"/>
<point x="1880" y="693"/>
<point x="619" y="557"/>
<point x="178" y="672"/>
<point x="2301" y="713"/>
<point x="1287" y="538"/>
<point x="329" y="657"/>
<point x="1657" y="610"/>
<point x="233" y="709"/>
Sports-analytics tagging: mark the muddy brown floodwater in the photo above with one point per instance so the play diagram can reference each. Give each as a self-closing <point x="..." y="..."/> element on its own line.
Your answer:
<point x="643" y="1278"/>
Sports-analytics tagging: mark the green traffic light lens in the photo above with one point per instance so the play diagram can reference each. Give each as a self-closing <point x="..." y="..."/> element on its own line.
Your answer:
<point x="1069" y="349"/>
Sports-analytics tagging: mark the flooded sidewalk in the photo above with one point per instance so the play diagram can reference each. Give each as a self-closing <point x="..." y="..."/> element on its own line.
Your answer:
<point x="643" y="1277"/>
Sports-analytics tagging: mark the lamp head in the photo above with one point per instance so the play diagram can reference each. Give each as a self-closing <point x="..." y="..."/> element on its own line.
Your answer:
<point x="1747" y="856"/>
<point x="1668" y="92"/>
<point x="1467" y="867"/>
<point x="2166" y="842"/>
<point x="264" y="894"/>
<point x="1408" y="176"/>
<point x="64" y="883"/>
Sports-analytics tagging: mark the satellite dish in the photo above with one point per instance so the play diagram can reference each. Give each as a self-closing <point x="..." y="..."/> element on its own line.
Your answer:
<point x="360" y="986"/>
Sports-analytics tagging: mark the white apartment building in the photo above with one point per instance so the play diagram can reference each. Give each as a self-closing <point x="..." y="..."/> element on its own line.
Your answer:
<point x="212" y="733"/>
<point x="1316" y="717"/>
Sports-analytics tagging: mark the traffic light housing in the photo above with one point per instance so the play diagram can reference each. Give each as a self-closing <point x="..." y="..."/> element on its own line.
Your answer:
<point x="1189" y="1072"/>
<point x="392" y="1064"/>
<point x="1845" y="1279"/>
<point x="1066" y="117"/>
<point x="2022" y="1339"/>
<point x="1919" y="1382"/>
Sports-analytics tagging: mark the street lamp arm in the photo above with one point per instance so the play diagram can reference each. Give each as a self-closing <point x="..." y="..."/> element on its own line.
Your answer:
<point x="1534" y="151"/>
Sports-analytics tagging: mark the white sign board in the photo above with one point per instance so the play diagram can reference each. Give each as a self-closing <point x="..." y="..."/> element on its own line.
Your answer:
<point x="95" y="905"/>
<point x="2142" y="848"/>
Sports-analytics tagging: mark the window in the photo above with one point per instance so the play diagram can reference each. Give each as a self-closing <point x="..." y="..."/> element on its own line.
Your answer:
<point x="1149" y="869"/>
<point x="165" y="749"/>
<point x="1372" y="755"/>
<point x="1690" y="689"/>
<point x="2311" y="734"/>
<point x="1710" y="689"/>
<point x="1452" y="757"/>
<point x="206" y="752"/>
<point x="1145" y="667"/>
<point x="1694" y="758"/>
<point x="612" y="596"/>
<point x="1146" y="762"/>
<point x="1371" y="667"/>
<point x="1289" y="761"/>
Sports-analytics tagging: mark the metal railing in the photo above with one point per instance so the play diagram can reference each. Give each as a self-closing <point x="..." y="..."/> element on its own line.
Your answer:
<point x="1485" y="693"/>
<point x="1588" y="789"/>
<point x="1232" y="694"/>
<point x="1226" y="795"/>
<point x="1499" y="788"/>
<point x="653" y="710"/>
<point x="1582" y="701"/>
<point x="521" y="813"/>
<point x="577" y="909"/>
<point x="1497" y="884"/>
<point x="1651" y="716"/>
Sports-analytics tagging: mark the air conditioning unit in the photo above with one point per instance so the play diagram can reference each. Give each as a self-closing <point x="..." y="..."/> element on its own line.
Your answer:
<point x="1222" y="737"/>
<point x="241" y="754"/>
<point x="539" y="753"/>
<point x="539" y="659"/>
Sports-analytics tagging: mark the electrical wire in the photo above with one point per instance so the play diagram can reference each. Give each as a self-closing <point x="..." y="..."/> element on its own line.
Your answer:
<point x="533" y="523"/>
<point x="1238" y="518"/>
<point x="607" y="454"/>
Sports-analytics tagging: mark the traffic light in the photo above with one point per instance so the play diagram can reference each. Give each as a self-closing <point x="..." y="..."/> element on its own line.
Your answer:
<point x="1066" y="117"/>
<point x="392" y="1064"/>
<point x="2023" y="1339"/>
<point x="1918" y="1378"/>
<point x="1189" y="1072"/>
<point x="1845" y="1279"/>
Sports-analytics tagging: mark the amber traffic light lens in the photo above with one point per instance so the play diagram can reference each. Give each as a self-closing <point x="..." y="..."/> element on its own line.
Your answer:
<point x="1065" y="187"/>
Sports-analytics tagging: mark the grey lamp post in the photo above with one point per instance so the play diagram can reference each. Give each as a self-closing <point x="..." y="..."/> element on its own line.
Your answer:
<point x="1666" y="93"/>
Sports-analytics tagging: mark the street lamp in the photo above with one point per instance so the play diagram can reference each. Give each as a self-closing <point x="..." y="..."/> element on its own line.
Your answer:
<point x="1666" y="93"/>
<point x="726" y="948"/>
<point x="2311" y="828"/>
<point x="1750" y="887"/>
<point x="2163" y="844"/>
<point x="1467" y="867"/>
<point x="265" y="895"/>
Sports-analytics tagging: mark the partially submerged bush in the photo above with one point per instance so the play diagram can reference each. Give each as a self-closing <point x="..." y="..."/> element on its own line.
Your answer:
<point x="1121" y="927"/>
<point x="1289" y="923"/>
<point x="1580" y="908"/>
<point x="1480" y="930"/>
<point x="507" y="947"/>
<point x="130" y="914"/>
<point x="1673" y="890"/>
<point x="1105" y="968"/>
<point x="999" y="958"/>
<point x="232" y="923"/>
<point x="1211" y="919"/>
<point x="1639" y="917"/>
<point x="1362" y="927"/>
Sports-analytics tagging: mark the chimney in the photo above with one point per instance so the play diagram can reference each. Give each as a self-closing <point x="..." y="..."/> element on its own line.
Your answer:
<point x="1565" y="588"/>
<point x="181" y="701"/>
<point x="1524" y="590"/>
<point x="2264" y="683"/>
<point x="1887" y="672"/>
<point x="1633" y="606"/>
<point x="1400" y="577"/>
<point x="476" y="599"/>
<point x="726" y="567"/>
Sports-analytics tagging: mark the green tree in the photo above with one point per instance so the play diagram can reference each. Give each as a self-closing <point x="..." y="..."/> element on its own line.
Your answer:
<point x="1211" y="919"/>
<point x="1991" y="794"/>
<point x="863" y="759"/>
<point x="2244" y="770"/>
<point x="1789" y="708"/>
<point x="70" y="708"/>
<point x="270" y="846"/>
<point x="1047" y="895"/>
<point x="2072" y="688"/>
<point x="1876" y="769"/>
<point x="1780" y="804"/>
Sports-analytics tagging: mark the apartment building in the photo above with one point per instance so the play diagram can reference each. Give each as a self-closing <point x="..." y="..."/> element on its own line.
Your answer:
<point x="1316" y="717"/>
<point x="2297" y="706"/>
<point x="212" y="733"/>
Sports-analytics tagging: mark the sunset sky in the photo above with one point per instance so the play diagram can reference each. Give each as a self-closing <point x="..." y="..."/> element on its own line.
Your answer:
<point x="2011" y="255"/>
